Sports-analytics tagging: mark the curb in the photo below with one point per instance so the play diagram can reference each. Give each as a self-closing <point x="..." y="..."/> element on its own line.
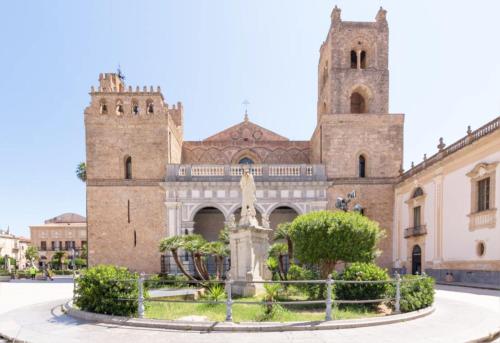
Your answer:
<point x="244" y="326"/>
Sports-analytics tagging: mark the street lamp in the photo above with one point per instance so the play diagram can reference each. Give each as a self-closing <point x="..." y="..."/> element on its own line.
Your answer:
<point x="343" y="203"/>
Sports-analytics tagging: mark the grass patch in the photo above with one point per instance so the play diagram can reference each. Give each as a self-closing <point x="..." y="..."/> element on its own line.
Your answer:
<point x="250" y="312"/>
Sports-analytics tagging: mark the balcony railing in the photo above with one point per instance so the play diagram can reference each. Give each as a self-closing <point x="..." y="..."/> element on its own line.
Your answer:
<point x="49" y="248"/>
<point x="415" y="231"/>
<point x="261" y="172"/>
<point x="483" y="219"/>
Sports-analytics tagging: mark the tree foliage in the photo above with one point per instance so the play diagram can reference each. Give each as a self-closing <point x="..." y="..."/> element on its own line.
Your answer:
<point x="81" y="171"/>
<point x="325" y="238"/>
<point x="31" y="253"/>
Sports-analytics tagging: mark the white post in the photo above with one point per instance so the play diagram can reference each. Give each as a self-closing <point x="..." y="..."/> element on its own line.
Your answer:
<point x="140" y="303"/>
<point x="229" y="301"/>
<point x="329" y="298"/>
<point x="398" y="294"/>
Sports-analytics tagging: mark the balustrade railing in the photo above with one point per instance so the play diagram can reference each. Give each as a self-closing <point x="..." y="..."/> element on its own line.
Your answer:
<point x="461" y="143"/>
<point x="415" y="231"/>
<point x="262" y="172"/>
<point x="482" y="219"/>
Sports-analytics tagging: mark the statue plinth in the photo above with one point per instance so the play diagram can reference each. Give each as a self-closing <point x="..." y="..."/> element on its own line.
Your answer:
<point x="249" y="247"/>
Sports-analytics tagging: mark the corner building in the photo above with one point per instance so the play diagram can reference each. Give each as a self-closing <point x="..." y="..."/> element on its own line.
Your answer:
<point x="144" y="182"/>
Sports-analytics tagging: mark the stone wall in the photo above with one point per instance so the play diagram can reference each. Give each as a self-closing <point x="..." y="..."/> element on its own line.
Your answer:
<point x="111" y="238"/>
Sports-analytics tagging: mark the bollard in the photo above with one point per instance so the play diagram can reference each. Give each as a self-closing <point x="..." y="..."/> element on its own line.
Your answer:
<point x="229" y="301"/>
<point x="329" y="298"/>
<point x="398" y="294"/>
<point x="140" y="303"/>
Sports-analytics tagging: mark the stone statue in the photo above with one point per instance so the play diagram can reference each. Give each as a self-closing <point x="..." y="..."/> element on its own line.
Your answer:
<point x="248" y="214"/>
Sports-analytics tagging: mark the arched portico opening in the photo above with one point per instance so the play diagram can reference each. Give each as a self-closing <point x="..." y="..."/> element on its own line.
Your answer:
<point x="208" y="222"/>
<point x="416" y="260"/>
<point x="281" y="214"/>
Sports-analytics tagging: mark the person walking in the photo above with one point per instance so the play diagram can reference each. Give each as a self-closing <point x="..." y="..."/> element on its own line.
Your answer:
<point x="49" y="273"/>
<point x="33" y="272"/>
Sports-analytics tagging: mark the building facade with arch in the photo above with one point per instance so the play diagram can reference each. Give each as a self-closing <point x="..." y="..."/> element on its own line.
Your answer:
<point x="145" y="182"/>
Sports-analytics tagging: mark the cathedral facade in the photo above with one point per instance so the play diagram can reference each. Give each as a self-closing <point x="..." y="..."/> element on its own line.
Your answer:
<point x="145" y="182"/>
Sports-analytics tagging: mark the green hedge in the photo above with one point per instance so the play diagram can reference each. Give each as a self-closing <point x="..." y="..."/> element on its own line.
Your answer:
<point x="313" y="291"/>
<point x="363" y="272"/>
<point x="4" y="272"/>
<point x="417" y="292"/>
<point x="99" y="289"/>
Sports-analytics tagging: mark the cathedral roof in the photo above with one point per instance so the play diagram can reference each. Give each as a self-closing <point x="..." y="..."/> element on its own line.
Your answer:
<point x="246" y="131"/>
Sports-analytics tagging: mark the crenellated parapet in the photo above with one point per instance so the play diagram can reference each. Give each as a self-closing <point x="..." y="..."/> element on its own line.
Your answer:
<point x="113" y="98"/>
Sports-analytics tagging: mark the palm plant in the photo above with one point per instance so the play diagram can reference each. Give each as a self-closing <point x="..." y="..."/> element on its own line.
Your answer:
<point x="283" y="232"/>
<point x="219" y="250"/>
<point x="279" y="250"/>
<point x="173" y="244"/>
<point x="194" y="244"/>
<point x="58" y="258"/>
<point x="31" y="254"/>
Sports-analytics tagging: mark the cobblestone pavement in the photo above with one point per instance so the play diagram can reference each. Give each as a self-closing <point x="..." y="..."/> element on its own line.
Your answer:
<point x="31" y="312"/>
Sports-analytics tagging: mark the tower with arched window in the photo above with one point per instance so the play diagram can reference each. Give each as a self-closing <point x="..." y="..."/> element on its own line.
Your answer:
<point x="356" y="138"/>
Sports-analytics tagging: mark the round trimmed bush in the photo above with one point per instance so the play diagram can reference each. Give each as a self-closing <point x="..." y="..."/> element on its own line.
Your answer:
<point x="101" y="289"/>
<point x="363" y="272"/>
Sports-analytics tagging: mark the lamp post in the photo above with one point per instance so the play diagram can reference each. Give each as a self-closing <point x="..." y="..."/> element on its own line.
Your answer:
<point x="343" y="203"/>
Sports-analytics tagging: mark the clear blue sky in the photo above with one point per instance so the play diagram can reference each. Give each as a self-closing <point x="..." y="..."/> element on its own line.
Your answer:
<point x="211" y="55"/>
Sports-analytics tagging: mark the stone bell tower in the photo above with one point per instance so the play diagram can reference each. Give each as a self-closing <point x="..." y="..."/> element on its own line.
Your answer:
<point x="356" y="138"/>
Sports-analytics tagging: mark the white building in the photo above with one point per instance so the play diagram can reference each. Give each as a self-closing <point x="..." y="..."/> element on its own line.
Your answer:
<point x="446" y="217"/>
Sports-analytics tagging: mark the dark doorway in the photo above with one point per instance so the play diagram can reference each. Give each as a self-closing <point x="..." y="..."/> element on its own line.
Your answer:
<point x="416" y="260"/>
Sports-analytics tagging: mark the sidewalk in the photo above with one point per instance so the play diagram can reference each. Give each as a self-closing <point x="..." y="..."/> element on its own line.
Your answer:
<point x="461" y="315"/>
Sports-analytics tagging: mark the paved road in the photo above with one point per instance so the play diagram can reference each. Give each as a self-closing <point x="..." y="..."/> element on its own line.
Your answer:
<point x="462" y="314"/>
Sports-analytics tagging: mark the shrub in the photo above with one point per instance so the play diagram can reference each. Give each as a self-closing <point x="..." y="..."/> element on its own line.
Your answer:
<point x="363" y="272"/>
<point x="4" y="272"/>
<point x="313" y="291"/>
<point x="99" y="289"/>
<point x="417" y="292"/>
<point x="325" y="237"/>
<point x="80" y="262"/>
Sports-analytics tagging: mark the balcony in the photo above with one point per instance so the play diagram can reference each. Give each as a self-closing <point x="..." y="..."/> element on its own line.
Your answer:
<point x="415" y="231"/>
<point x="483" y="219"/>
<point x="261" y="172"/>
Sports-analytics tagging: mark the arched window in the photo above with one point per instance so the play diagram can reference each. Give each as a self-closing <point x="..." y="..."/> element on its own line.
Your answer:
<point x="362" y="166"/>
<point x="363" y="59"/>
<point x="128" y="168"/>
<point x="246" y="160"/>
<point x="150" y="107"/>
<point x="418" y="192"/>
<point x="354" y="60"/>
<point x="103" y="109"/>
<point x="119" y="108"/>
<point x="135" y="107"/>
<point x="357" y="103"/>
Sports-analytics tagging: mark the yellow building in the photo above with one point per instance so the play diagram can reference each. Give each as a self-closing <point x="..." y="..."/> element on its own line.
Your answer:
<point x="66" y="232"/>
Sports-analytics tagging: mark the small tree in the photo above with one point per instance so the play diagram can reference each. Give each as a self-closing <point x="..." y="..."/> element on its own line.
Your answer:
<point x="194" y="244"/>
<point x="58" y="258"/>
<point x="325" y="238"/>
<point x="219" y="250"/>
<point x="279" y="250"/>
<point x="31" y="253"/>
<point x="81" y="171"/>
<point x="173" y="244"/>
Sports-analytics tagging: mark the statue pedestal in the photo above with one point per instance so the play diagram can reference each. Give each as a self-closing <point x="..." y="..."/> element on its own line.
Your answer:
<point x="249" y="246"/>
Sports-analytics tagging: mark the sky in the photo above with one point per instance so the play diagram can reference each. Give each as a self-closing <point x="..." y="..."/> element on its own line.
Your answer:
<point x="211" y="56"/>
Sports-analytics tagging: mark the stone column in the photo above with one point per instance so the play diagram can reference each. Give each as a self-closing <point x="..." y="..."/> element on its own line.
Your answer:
<point x="249" y="246"/>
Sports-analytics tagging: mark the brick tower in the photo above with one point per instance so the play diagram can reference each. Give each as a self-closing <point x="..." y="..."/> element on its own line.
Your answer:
<point x="359" y="142"/>
<point x="131" y="135"/>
